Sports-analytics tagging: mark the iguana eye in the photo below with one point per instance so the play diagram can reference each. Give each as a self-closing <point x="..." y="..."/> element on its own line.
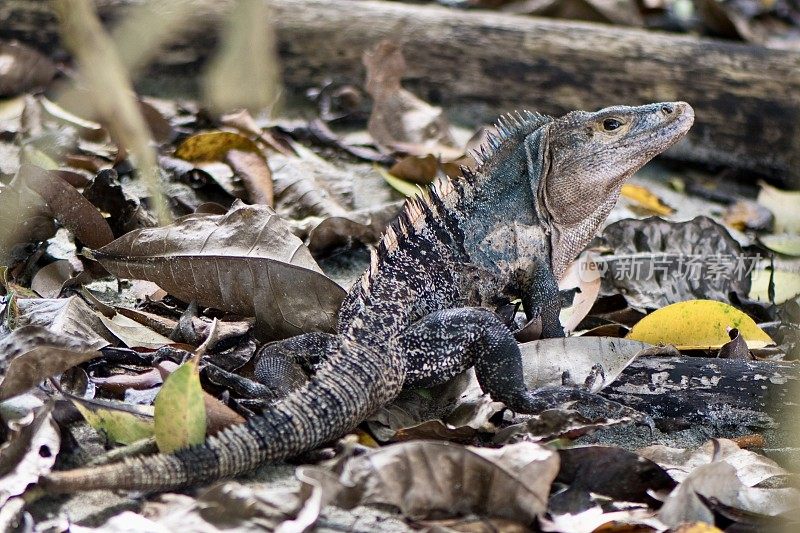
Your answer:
<point x="611" y="124"/>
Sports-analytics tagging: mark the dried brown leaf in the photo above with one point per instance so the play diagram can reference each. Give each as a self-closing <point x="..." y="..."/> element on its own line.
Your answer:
<point x="309" y="186"/>
<point x="213" y="146"/>
<point x="246" y="262"/>
<point x="255" y="173"/>
<point x="68" y="206"/>
<point x="49" y="280"/>
<point x="397" y="115"/>
<point x="70" y="316"/>
<point x="430" y="479"/>
<point x="736" y="348"/>
<point x="22" y="68"/>
<point x="656" y="263"/>
<point x="32" y="354"/>
<point x="608" y="470"/>
<point x="29" y="452"/>
<point x="24" y="218"/>
<point x="133" y="334"/>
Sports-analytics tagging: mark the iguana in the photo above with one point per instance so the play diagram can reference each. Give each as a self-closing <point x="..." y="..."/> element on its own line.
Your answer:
<point x="424" y="310"/>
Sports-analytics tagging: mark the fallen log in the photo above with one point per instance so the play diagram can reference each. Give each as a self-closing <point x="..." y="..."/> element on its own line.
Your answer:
<point x="481" y="64"/>
<point x="730" y="396"/>
<point x="747" y="98"/>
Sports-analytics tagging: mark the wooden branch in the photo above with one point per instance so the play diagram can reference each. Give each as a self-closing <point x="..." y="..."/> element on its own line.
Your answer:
<point x="731" y="396"/>
<point x="479" y="64"/>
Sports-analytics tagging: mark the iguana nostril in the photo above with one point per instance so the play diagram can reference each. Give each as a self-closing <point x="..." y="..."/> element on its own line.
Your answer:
<point x="667" y="109"/>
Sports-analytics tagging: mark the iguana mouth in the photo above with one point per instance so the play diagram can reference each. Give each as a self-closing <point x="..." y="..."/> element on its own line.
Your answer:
<point x="678" y="119"/>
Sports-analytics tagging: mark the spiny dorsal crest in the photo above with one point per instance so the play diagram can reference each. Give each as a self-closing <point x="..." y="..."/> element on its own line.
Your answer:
<point x="510" y="127"/>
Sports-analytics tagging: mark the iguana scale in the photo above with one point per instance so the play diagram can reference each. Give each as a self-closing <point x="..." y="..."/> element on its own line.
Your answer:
<point x="424" y="309"/>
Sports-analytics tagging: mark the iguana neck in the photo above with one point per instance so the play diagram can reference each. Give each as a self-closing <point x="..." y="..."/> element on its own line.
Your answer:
<point x="567" y="242"/>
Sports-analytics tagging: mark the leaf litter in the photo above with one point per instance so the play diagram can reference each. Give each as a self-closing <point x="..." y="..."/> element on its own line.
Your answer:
<point x="215" y="266"/>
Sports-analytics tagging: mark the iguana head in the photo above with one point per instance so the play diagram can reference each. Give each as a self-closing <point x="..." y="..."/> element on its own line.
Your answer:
<point x="587" y="158"/>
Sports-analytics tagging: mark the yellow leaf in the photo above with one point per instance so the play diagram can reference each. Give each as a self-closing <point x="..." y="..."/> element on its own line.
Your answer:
<point x="698" y="325"/>
<point x="213" y="146"/>
<point x="180" y="409"/>
<point x="402" y="186"/>
<point x="122" y="423"/>
<point x="365" y="439"/>
<point x="644" y="200"/>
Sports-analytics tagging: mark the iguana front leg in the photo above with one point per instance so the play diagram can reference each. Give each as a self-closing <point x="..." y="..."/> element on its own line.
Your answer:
<point x="539" y="294"/>
<point x="445" y="343"/>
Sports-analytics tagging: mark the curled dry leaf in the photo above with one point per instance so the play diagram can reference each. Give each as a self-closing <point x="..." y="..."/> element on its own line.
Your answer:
<point x="736" y="348"/>
<point x="50" y="279"/>
<point x="429" y="479"/>
<point x="545" y="361"/>
<point x="719" y="480"/>
<point x="399" y="117"/>
<point x="255" y="173"/>
<point x="22" y="68"/>
<point x="32" y="354"/>
<point x="87" y="129"/>
<point x="30" y="451"/>
<point x="364" y="225"/>
<point x="214" y="146"/>
<point x="656" y="263"/>
<point x="246" y="262"/>
<point x="68" y="206"/>
<point x="751" y="468"/>
<point x="426" y="168"/>
<point x="232" y="505"/>
<point x="643" y="201"/>
<point x="159" y="126"/>
<point x="70" y="316"/>
<point x="309" y="186"/>
<point x="609" y="471"/>
<point x="584" y="273"/>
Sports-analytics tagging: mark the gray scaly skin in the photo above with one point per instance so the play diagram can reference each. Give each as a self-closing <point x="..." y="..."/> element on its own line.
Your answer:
<point x="424" y="310"/>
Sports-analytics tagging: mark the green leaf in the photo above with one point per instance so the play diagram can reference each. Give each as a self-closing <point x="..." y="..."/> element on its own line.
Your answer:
<point x="122" y="423"/>
<point x="180" y="409"/>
